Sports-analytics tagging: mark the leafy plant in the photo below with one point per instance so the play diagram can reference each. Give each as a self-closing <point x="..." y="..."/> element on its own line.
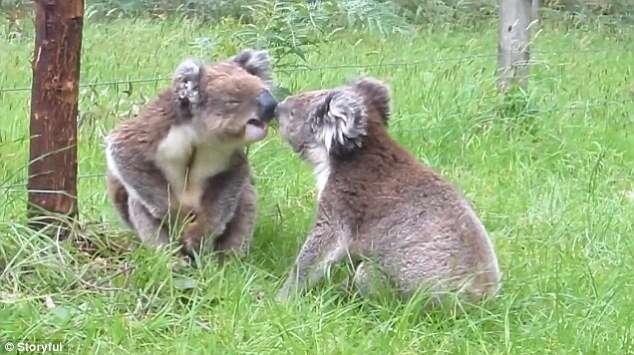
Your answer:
<point x="284" y="27"/>
<point x="371" y="15"/>
<point x="379" y="16"/>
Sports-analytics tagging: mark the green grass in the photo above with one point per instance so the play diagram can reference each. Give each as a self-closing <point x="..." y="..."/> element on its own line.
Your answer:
<point x="548" y="171"/>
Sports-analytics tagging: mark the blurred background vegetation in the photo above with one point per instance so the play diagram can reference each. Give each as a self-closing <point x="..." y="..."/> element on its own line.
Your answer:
<point x="414" y="11"/>
<point x="549" y="170"/>
<point x="339" y="12"/>
<point x="289" y="27"/>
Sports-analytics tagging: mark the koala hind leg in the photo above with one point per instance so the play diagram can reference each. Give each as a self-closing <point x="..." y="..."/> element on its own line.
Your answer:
<point x="119" y="197"/>
<point x="237" y="236"/>
<point x="362" y="280"/>
<point x="149" y="229"/>
<point x="369" y="281"/>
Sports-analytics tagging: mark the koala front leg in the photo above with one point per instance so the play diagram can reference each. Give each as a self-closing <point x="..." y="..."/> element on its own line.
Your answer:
<point x="141" y="178"/>
<point x="217" y="207"/>
<point x="239" y="231"/>
<point x="325" y="246"/>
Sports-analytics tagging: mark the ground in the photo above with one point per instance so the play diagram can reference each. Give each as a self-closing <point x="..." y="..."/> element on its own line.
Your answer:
<point x="550" y="172"/>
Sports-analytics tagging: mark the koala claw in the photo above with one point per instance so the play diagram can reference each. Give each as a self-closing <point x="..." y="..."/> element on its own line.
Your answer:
<point x="282" y="296"/>
<point x="191" y="241"/>
<point x="156" y="212"/>
<point x="288" y="290"/>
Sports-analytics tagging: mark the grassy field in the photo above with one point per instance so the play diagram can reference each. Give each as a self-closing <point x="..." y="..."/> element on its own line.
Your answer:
<point x="551" y="174"/>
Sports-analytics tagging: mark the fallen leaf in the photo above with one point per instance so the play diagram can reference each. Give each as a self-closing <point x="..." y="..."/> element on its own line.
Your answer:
<point x="184" y="283"/>
<point x="62" y="313"/>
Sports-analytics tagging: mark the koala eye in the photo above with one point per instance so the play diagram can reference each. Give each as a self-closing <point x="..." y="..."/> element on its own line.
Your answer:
<point x="231" y="104"/>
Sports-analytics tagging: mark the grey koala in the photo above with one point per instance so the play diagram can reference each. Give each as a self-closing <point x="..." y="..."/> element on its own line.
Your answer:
<point x="182" y="159"/>
<point x="377" y="203"/>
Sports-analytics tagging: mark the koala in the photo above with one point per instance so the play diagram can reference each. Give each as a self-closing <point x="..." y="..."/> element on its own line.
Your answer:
<point x="182" y="160"/>
<point x="377" y="206"/>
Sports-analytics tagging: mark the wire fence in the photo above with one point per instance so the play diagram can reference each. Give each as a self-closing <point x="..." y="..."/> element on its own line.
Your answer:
<point x="286" y="70"/>
<point x="297" y="68"/>
<point x="10" y="183"/>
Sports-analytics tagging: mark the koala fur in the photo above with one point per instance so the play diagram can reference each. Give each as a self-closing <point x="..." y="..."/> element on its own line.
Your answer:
<point x="377" y="203"/>
<point x="182" y="159"/>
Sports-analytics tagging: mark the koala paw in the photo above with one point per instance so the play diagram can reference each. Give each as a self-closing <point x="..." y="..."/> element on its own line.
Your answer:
<point x="191" y="241"/>
<point x="157" y="212"/>
<point x="282" y="296"/>
<point x="285" y="293"/>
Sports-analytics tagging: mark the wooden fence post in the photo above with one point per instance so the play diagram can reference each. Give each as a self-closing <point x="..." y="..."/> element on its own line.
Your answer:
<point x="513" y="43"/>
<point x="52" y="182"/>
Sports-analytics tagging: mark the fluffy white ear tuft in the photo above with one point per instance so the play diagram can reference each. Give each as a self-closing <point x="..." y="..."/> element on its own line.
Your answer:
<point x="376" y="94"/>
<point x="340" y="122"/>
<point x="187" y="80"/>
<point x="186" y="86"/>
<point x="255" y="62"/>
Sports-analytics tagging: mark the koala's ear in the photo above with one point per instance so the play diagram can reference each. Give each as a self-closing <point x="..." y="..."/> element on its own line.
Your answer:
<point x="186" y="86"/>
<point x="376" y="94"/>
<point x="255" y="62"/>
<point x="340" y="121"/>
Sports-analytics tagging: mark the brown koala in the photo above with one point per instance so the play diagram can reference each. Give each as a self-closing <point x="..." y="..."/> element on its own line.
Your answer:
<point x="183" y="156"/>
<point x="377" y="204"/>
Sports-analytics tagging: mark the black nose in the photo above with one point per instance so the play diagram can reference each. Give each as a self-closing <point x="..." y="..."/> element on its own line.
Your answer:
<point x="266" y="106"/>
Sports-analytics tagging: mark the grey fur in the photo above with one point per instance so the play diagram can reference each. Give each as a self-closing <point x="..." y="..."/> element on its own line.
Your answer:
<point x="229" y="199"/>
<point x="379" y="204"/>
<point x="340" y="122"/>
<point x="180" y="166"/>
<point x="377" y="92"/>
<point x="187" y="80"/>
<point x="256" y="62"/>
<point x="147" y="226"/>
<point x="186" y="86"/>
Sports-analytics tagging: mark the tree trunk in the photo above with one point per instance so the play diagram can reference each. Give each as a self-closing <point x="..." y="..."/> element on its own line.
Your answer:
<point x="535" y="16"/>
<point x="513" y="43"/>
<point x="52" y="182"/>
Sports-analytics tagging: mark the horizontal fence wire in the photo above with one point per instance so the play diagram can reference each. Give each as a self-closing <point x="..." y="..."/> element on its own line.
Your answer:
<point x="307" y="67"/>
<point x="285" y="69"/>
<point x="575" y="106"/>
<point x="395" y="129"/>
<point x="100" y="83"/>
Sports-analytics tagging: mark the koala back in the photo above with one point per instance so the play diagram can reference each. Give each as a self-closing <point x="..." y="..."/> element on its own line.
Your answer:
<point x="398" y="211"/>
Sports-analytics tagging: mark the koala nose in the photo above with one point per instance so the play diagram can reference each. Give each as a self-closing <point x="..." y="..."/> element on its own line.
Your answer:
<point x="266" y="106"/>
<point x="280" y="110"/>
